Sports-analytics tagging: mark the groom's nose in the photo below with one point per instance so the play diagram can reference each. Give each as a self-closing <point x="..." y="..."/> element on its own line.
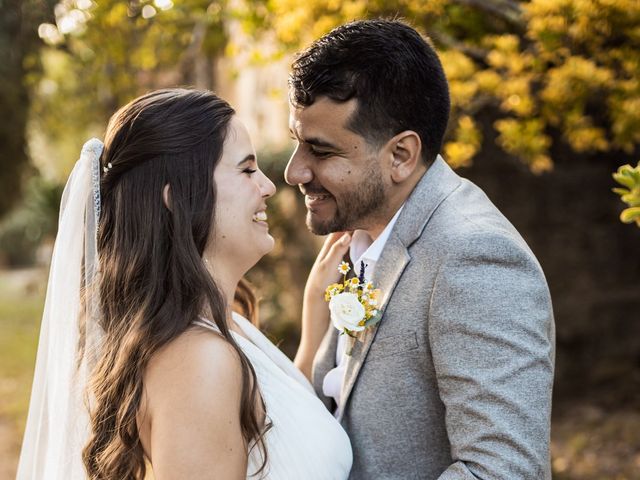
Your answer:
<point x="297" y="171"/>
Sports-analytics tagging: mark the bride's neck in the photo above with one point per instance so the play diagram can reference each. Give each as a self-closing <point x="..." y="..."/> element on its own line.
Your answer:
<point x="226" y="281"/>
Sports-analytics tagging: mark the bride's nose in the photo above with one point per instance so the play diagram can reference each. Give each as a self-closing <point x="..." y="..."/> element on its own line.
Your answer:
<point x="267" y="187"/>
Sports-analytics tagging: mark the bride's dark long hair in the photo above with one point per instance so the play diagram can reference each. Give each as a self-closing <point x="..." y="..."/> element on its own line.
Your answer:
<point x="153" y="282"/>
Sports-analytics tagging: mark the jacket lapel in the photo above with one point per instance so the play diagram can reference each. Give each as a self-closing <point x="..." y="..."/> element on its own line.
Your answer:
<point x="387" y="272"/>
<point x="436" y="184"/>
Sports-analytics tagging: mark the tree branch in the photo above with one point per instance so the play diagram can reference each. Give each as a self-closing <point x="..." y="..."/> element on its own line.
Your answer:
<point x="508" y="10"/>
<point x="476" y="53"/>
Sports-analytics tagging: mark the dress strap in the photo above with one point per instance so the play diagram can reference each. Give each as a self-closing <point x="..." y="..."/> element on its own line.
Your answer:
<point x="206" y="323"/>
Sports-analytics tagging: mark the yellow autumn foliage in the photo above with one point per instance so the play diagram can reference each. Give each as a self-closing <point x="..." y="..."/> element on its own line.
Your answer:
<point x="554" y="70"/>
<point x="549" y="70"/>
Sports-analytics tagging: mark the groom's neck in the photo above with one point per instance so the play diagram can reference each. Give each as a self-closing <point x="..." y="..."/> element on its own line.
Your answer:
<point x="378" y="224"/>
<point x="396" y="197"/>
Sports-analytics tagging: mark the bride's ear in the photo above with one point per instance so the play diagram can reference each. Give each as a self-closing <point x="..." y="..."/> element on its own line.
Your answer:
<point x="166" y="196"/>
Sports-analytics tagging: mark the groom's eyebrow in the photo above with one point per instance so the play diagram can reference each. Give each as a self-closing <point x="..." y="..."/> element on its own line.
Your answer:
<point x="318" y="142"/>
<point x="315" y="141"/>
<point x="249" y="158"/>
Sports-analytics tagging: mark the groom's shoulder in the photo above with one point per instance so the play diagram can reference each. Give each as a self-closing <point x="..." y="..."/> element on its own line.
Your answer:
<point x="468" y="220"/>
<point x="467" y="210"/>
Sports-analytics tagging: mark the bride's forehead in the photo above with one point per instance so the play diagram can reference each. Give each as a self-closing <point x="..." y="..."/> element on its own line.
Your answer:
<point x="237" y="144"/>
<point x="237" y="134"/>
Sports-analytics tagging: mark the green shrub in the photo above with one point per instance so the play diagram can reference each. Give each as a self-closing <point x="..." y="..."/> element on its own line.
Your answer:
<point x="629" y="177"/>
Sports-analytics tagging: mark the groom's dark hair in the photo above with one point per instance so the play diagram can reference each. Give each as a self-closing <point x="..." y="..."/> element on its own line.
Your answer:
<point x="392" y="71"/>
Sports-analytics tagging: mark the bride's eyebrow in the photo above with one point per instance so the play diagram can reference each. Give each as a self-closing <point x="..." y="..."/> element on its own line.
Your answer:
<point x="249" y="158"/>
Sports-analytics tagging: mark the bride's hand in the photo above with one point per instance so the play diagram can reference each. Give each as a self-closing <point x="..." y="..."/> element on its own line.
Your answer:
<point x="325" y="269"/>
<point x="315" y="312"/>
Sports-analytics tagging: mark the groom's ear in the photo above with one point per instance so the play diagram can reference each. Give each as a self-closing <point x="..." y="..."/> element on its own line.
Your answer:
<point x="405" y="150"/>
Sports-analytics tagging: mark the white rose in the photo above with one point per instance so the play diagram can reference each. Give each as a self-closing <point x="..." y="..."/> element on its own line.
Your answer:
<point x="346" y="312"/>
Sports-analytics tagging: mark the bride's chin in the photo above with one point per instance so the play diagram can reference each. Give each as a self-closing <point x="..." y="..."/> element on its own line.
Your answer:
<point x="264" y="247"/>
<point x="269" y="244"/>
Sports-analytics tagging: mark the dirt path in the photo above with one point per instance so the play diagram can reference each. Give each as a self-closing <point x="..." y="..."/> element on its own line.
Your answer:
<point x="9" y="449"/>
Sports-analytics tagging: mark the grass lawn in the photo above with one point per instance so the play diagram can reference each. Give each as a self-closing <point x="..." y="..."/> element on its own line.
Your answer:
<point x="21" y="304"/>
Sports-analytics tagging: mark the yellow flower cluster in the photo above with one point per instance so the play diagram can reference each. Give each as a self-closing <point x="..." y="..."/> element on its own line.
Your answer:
<point x="368" y="296"/>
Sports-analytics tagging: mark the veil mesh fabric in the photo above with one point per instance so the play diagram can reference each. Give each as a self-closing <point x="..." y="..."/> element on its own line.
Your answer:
<point x="58" y="422"/>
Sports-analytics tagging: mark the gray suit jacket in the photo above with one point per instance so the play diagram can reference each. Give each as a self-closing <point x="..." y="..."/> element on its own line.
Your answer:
<point x="455" y="381"/>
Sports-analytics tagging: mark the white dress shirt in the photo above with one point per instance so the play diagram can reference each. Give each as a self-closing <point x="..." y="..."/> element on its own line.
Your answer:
<point x="362" y="249"/>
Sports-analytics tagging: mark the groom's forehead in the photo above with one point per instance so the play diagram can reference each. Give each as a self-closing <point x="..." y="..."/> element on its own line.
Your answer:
<point x="323" y="115"/>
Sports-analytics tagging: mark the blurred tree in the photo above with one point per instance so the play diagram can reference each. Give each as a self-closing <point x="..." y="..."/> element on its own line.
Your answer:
<point x="629" y="177"/>
<point x="96" y="56"/>
<point x="31" y="224"/>
<point x="102" y="54"/>
<point x="553" y="71"/>
<point x="19" y="20"/>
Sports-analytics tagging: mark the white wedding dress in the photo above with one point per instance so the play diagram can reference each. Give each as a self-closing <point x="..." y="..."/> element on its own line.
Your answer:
<point x="305" y="442"/>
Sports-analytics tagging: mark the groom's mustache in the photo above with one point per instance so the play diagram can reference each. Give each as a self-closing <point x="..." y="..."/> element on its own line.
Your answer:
<point x="309" y="189"/>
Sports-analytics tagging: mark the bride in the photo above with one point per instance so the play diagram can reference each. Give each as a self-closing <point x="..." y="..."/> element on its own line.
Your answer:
<point x="141" y="360"/>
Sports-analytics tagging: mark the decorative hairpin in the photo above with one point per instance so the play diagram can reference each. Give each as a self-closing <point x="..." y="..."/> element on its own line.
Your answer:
<point x="107" y="168"/>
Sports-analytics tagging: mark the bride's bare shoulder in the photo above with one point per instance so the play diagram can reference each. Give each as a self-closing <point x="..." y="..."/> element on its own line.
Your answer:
<point x="191" y="408"/>
<point x="195" y="353"/>
<point x="197" y="366"/>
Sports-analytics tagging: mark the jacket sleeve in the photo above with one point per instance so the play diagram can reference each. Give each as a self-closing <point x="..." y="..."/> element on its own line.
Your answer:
<point x="492" y="338"/>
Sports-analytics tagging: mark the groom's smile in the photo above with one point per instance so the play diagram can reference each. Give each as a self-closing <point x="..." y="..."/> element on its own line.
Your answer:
<point x="315" y="197"/>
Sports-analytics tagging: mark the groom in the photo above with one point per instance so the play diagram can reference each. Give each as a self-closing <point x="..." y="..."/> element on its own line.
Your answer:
<point x="455" y="380"/>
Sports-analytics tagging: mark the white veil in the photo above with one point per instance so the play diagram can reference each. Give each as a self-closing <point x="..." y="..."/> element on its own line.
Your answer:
<point x="58" y="422"/>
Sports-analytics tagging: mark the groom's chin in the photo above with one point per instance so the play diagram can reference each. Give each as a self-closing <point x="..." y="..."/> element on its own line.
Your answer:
<point x="318" y="226"/>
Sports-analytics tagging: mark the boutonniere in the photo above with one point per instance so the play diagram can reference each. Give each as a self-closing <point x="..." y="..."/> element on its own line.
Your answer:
<point x="353" y="304"/>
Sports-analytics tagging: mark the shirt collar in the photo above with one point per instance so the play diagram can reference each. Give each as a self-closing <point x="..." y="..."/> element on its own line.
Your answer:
<point x="364" y="249"/>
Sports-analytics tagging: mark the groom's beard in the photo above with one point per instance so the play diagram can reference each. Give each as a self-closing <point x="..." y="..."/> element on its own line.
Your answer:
<point x="352" y="206"/>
